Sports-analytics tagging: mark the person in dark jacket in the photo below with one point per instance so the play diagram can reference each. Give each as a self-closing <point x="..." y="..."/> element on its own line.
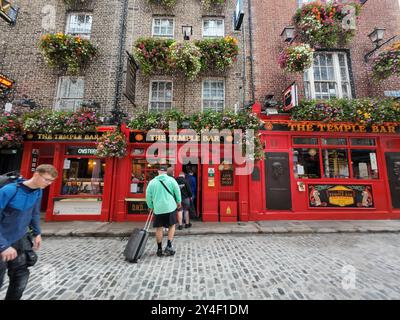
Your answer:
<point x="20" y="210"/>
<point x="186" y="193"/>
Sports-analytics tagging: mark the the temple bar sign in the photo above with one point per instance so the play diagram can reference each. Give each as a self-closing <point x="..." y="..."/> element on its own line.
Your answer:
<point x="389" y="128"/>
<point x="8" y="12"/>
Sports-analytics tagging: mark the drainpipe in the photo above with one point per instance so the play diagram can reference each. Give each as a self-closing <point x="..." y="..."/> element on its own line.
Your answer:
<point x="252" y="89"/>
<point x="121" y="48"/>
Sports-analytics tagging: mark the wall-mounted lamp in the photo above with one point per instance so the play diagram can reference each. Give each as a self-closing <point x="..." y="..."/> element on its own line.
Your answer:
<point x="376" y="37"/>
<point x="288" y="34"/>
<point x="187" y="32"/>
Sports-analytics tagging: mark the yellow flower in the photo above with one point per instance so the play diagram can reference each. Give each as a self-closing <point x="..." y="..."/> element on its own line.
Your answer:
<point x="367" y="115"/>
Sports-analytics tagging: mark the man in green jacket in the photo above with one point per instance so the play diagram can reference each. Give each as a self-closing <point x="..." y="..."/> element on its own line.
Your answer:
<point x="163" y="196"/>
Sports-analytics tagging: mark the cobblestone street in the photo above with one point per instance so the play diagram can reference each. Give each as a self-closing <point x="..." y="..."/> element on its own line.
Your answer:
<point x="312" y="266"/>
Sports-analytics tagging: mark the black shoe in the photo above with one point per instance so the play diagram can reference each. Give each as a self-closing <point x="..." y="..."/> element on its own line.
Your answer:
<point x="159" y="253"/>
<point x="169" y="251"/>
<point x="180" y="227"/>
<point x="188" y="225"/>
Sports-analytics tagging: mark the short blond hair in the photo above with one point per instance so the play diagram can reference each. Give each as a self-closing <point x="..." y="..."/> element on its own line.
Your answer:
<point x="47" y="168"/>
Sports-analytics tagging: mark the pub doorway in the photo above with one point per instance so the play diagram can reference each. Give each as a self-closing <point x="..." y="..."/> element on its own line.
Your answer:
<point x="193" y="175"/>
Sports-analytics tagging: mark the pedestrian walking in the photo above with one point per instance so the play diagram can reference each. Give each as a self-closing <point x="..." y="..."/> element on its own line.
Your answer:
<point x="186" y="193"/>
<point x="164" y="197"/>
<point x="20" y="227"/>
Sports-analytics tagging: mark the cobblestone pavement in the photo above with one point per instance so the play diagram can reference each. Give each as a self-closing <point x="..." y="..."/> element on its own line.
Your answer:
<point x="314" y="266"/>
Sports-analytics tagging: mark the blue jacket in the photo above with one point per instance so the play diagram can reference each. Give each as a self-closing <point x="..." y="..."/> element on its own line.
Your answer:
<point x="17" y="215"/>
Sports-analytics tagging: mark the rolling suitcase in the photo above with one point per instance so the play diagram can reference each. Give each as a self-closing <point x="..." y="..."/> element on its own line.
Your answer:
<point x="137" y="242"/>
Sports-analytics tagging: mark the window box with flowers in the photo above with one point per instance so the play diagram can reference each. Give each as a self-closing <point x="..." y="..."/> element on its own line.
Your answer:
<point x="296" y="58"/>
<point x="218" y="54"/>
<point x="78" y="4"/>
<point x="363" y="111"/>
<point x="66" y="52"/>
<point x="187" y="59"/>
<point x="325" y="24"/>
<point x="387" y="63"/>
<point x="203" y="120"/>
<point x="50" y="121"/>
<point x="111" y="144"/>
<point x="10" y="131"/>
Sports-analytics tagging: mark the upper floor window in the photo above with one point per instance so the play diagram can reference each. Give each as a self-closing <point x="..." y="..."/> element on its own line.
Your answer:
<point x="160" y="95"/>
<point x="70" y="92"/>
<point x="213" y="95"/>
<point x="79" y="24"/>
<point x="163" y="27"/>
<point x="301" y="2"/>
<point x="213" y="28"/>
<point x="328" y="77"/>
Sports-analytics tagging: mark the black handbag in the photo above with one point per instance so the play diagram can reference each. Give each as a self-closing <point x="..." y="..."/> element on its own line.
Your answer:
<point x="31" y="256"/>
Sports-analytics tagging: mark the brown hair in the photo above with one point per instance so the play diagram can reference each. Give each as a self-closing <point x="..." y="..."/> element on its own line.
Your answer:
<point x="47" y="168"/>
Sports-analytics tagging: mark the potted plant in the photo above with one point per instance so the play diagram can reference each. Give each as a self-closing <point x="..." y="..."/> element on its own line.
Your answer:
<point x="67" y="52"/>
<point x="207" y="4"/>
<point x="10" y="131"/>
<point x="296" y="58"/>
<point x="165" y="3"/>
<point x="324" y="24"/>
<point x="387" y="63"/>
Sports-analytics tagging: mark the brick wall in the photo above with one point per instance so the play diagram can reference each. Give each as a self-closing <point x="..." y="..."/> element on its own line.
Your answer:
<point x="269" y="19"/>
<point x="186" y="94"/>
<point x="21" y="60"/>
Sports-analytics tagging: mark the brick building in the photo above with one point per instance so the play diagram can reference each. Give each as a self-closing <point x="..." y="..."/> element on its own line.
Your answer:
<point x="21" y="60"/>
<point x="271" y="17"/>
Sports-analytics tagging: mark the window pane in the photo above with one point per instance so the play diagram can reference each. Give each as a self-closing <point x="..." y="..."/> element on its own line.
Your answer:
<point x="362" y="142"/>
<point x="84" y="176"/>
<point x="306" y="163"/>
<point x="305" y="140"/>
<point x="334" y="141"/>
<point x="364" y="164"/>
<point x="335" y="163"/>
<point x="213" y="95"/>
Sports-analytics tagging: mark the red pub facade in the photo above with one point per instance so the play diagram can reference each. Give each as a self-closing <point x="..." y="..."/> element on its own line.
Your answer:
<point x="311" y="170"/>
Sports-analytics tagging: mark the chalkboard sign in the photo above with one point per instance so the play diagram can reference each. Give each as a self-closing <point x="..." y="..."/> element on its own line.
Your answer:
<point x="227" y="178"/>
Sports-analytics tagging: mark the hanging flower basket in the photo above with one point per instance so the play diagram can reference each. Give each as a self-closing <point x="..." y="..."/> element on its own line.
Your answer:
<point x="154" y="55"/>
<point x="10" y="131"/>
<point x="328" y="24"/>
<point x="67" y="52"/>
<point x="387" y="63"/>
<point x="111" y="144"/>
<point x="296" y="58"/>
<point x="218" y="54"/>
<point x="165" y="3"/>
<point x="207" y="4"/>
<point x="187" y="58"/>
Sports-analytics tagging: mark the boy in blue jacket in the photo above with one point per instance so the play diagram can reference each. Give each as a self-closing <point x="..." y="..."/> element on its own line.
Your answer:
<point x="20" y="210"/>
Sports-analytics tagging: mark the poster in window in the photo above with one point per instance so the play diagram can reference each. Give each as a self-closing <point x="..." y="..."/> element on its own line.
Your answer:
<point x="345" y="196"/>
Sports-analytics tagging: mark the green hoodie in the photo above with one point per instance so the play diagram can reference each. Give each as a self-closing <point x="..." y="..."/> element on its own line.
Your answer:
<point x="158" y="198"/>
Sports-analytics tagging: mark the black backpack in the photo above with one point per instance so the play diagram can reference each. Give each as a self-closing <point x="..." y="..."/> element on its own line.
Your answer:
<point x="7" y="178"/>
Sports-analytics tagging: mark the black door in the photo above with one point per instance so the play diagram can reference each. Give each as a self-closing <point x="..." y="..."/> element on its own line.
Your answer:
<point x="393" y="170"/>
<point x="277" y="180"/>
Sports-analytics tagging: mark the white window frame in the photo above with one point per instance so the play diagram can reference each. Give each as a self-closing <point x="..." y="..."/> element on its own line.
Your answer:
<point x="84" y="35"/>
<point x="213" y="36"/>
<point x="338" y="78"/>
<point x="202" y="94"/>
<point x="163" y="36"/>
<point x="77" y="101"/>
<point x="150" y="95"/>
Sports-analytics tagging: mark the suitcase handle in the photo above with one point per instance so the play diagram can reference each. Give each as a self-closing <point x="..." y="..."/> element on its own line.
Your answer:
<point x="148" y="221"/>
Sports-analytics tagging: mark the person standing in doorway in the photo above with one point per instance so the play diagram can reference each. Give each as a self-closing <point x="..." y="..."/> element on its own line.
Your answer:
<point x="19" y="211"/>
<point x="186" y="193"/>
<point x="164" y="198"/>
<point x="191" y="178"/>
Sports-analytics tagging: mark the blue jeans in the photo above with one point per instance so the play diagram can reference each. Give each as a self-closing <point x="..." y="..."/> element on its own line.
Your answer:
<point x="18" y="274"/>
